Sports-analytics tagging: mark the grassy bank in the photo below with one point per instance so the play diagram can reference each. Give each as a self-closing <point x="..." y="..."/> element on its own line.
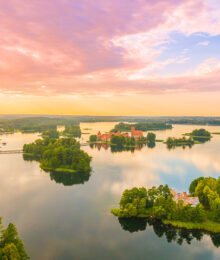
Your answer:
<point x="58" y="169"/>
<point x="207" y="225"/>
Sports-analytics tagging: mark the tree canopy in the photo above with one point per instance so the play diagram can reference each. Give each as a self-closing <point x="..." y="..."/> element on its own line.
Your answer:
<point x="59" y="154"/>
<point x="11" y="246"/>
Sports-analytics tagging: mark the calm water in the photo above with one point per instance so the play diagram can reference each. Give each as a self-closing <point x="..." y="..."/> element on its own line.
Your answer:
<point x="72" y="221"/>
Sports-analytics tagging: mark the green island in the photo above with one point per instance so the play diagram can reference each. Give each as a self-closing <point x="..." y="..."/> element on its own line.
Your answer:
<point x="173" y="142"/>
<point x="198" y="210"/>
<point x="200" y="135"/>
<point x="58" y="155"/>
<point x="11" y="246"/>
<point x="147" y="126"/>
<point x="126" y="141"/>
<point x="197" y="136"/>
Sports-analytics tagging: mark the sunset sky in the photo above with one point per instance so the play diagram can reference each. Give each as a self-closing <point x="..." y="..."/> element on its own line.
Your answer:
<point x="110" y="57"/>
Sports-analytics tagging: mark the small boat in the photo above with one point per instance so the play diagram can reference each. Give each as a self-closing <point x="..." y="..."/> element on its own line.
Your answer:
<point x="4" y="143"/>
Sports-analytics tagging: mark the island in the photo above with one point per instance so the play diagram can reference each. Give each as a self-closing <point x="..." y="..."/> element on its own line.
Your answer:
<point x="60" y="155"/>
<point x="173" y="142"/>
<point x="200" y="209"/>
<point x="124" y="140"/>
<point x="11" y="246"/>
<point x="147" y="126"/>
<point x="200" y="135"/>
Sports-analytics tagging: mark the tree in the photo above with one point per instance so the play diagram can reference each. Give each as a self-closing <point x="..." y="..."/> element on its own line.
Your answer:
<point x="215" y="207"/>
<point x="118" y="140"/>
<point x="201" y="132"/>
<point x="93" y="138"/>
<point x="53" y="133"/>
<point x="194" y="184"/>
<point x="10" y="252"/>
<point x="203" y="190"/>
<point x="151" y="137"/>
<point x="10" y="236"/>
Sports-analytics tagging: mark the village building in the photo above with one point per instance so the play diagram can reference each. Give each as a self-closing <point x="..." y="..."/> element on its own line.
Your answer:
<point x="187" y="199"/>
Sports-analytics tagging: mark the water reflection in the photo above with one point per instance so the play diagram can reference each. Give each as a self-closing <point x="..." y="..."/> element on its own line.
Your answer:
<point x="172" y="234"/>
<point x="69" y="179"/>
<point x="116" y="149"/>
<point x="66" y="178"/>
<point x="30" y="158"/>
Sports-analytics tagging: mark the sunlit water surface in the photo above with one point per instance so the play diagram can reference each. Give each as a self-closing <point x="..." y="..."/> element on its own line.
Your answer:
<point x="73" y="221"/>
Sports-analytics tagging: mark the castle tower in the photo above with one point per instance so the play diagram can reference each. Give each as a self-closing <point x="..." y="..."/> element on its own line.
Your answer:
<point x="99" y="135"/>
<point x="132" y="130"/>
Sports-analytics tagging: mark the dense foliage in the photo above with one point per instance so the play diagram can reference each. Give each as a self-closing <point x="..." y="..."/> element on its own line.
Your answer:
<point x="201" y="132"/>
<point x="72" y="131"/>
<point x="124" y="127"/>
<point x="11" y="246"/>
<point x="200" y="135"/>
<point x="207" y="189"/>
<point x="64" y="153"/>
<point x="194" y="121"/>
<point x="122" y="141"/>
<point x="172" y="142"/>
<point x="35" y="124"/>
<point x="158" y="203"/>
<point x="53" y="133"/>
<point x="93" y="138"/>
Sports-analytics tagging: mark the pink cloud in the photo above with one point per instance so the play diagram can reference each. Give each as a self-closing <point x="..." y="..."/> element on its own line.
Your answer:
<point x="94" y="47"/>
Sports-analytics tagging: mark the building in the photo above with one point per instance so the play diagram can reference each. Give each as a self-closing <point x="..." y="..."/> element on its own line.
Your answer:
<point x="187" y="199"/>
<point x="136" y="133"/>
<point x="107" y="137"/>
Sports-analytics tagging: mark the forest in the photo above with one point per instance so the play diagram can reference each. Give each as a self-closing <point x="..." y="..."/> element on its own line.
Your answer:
<point x="124" y="127"/>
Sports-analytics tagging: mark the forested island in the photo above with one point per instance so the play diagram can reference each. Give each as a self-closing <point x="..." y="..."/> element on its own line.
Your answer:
<point x="61" y="155"/>
<point x="197" y="136"/>
<point x="11" y="246"/>
<point x="200" y="135"/>
<point x="148" y="126"/>
<point x="177" y="209"/>
<point x="173" y="142"/>
<point x="72" y="131"/>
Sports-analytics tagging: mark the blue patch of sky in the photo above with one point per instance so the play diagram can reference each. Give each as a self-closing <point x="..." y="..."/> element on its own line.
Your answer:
<point x="182" y="46"/>
<point x="180" y="180"/>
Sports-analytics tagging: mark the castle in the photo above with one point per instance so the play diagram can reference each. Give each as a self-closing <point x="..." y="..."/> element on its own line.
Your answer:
<point x="107" y="137"/>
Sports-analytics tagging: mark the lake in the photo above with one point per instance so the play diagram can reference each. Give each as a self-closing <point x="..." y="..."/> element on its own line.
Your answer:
<point x="63" y="217"/>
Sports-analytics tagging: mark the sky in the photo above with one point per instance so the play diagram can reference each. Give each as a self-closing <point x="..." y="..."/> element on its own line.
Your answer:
<point x="110" y="57"/>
